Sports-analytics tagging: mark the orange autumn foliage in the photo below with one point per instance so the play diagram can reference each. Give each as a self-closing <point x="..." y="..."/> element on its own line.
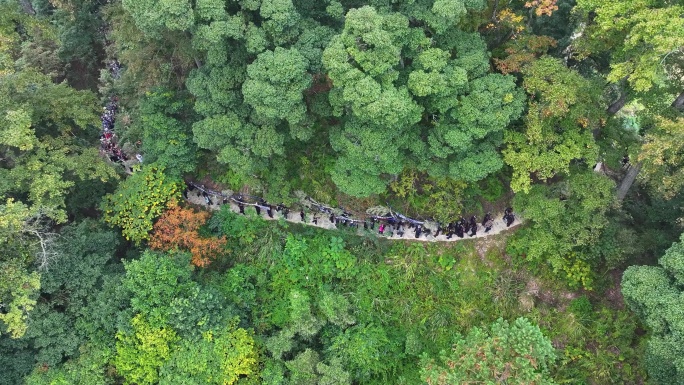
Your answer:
<point x="178" y="229"/>
<point x="523" y="51"/>
<point x="543" y="7"/>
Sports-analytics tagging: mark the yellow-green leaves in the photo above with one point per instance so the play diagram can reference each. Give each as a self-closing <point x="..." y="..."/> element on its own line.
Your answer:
<point x="661" y="157"/>
<point x="139" y="200"/>
<point x="141" y="352"/>
<point x="24" y="294"/>
<point x="558" y="126"/>
<point x="639" y="34"/>
<point x="17" y="130"/>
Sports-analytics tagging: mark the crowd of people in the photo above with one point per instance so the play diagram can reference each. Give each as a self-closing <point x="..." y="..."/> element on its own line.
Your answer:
<point x="109" y="145"/>
<point x="108" y="140"/>
<point x="387" y="225"/>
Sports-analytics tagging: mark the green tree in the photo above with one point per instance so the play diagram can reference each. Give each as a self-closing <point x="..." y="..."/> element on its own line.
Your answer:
<point x="366" y="351"/>
<point x="43" y="129"/>
<point x="141" y="352"/>
<point x="643" y="37"/>
<point x="221" y="356"/>
<point x="407" y="96"/>
<point x="75" y="274"/>
<point x="274" y="87"/>
<point x="148" y="61"/>
<point x="302" y="369"/>
<point x="516" y="353"/>
<point x="88" y="368"/>
<point x="563" y="110"/>
<point x="302" y="320"/>
<point x="361" y="63"/>
<point x="153" y="17"/>
<point x="654" y="293"/>
<point x="139" y="200"/>
<point x="155" y="281"/>
<point x="166" y="132"/>
<point x="661" y="157"/>
<point x="567" y="220"/>
<point x="280" y="20"/>
<point x="42" y="156"/>
<point x="19" y="285"/>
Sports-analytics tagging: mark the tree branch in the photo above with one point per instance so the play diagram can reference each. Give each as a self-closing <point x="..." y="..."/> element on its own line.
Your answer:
<point x="617" y="105"/>
<point x="27" y="7"/>
<point x="678" y="103"/>
<point x="627" y="181"/>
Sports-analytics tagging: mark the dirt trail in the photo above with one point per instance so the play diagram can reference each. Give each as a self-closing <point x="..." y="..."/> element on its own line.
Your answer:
<point x="195" y="198"/>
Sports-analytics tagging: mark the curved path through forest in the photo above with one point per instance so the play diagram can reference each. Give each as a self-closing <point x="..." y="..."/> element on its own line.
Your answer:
<point x="200" y="195"/>
<point x="195" y="197"/>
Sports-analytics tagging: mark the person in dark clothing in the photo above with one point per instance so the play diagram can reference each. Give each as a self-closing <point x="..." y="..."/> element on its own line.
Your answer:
<point x="487" y="217"/>
<point x="419" y="230"/>
<point x="185" y="194"/>
<point x="437" y="232"/>
<point x="258" y="209"/>
<point x="270" y="211"/>
<point x="207" y="200"/>
<point x="400" y="231"/>
<point x="242" y="208"/>
<point x="302" y="216"/>
<point x="314" y="219"/>
<point x="365" y="225"/>
<point x="473" y="229"/>
<point x="460" y="230"/>
<point x="508" y="217"/>
<point x="332" y="218"/>
<point x="488" y="225"/>
<point x="372" y="225"/>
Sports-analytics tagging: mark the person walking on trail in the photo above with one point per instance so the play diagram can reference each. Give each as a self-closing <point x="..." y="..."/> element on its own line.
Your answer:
<point x="508" y="217"/>
<point x="473" y="226"/>
<point x="488" y="225"/>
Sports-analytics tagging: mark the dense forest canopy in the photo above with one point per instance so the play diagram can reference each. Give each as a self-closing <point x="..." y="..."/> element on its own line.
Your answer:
<point x="117" y="116"/>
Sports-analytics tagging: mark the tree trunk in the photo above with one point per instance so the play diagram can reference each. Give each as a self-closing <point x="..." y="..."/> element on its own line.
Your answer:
<point x="617" y="105"/>
<point x="27" y="7"/>
<point x="679" y="102"/>
<point x="628" y="181"/>
<point x="495" y="9"/>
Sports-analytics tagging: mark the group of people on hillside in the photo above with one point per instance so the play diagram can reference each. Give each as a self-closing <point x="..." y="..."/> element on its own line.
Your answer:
<point x="108" y="140"/>
<point x="386" y="225"/>
<point x="109" y="146"/>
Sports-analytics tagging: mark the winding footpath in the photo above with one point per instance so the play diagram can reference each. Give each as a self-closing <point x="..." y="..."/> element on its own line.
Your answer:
<point x="195" y="197"/>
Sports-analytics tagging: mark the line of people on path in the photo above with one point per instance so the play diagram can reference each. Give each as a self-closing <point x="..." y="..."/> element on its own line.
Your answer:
<point x="109" y="145"/>
<point x="387" y="225"/>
